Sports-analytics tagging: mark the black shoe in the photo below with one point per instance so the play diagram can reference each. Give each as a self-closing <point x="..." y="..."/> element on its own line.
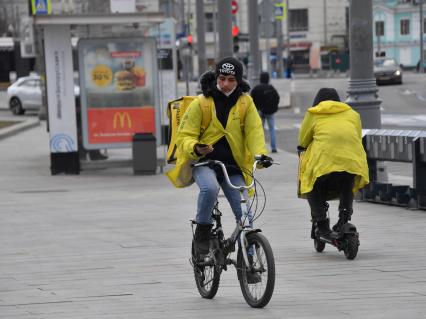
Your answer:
<point x="274" y="151"/>
<point x="338" y="227"/>
<point x="344" y="217"/>
<point x="97" y="156"/>
<point x="323" y="228"/>
<point x="202" y="239"/>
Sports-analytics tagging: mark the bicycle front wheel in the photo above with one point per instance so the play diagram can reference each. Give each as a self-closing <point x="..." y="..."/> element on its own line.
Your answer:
<point x="257" y="284"/>
<point x="207" y="277"/>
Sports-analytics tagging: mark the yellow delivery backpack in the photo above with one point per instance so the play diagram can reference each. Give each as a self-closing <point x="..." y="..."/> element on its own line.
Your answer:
<point x="175" y="111"/>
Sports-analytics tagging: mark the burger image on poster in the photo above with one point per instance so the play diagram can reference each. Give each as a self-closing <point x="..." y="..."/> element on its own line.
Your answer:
<point x="124" y="80"/>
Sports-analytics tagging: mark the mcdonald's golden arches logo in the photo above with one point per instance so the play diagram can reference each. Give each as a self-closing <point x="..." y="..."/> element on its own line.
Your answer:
<point x="121" y="118"/>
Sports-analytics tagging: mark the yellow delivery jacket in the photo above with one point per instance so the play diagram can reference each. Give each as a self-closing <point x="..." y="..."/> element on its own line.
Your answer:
<point x="332" y="133"/>
<point x="245" y="138"/>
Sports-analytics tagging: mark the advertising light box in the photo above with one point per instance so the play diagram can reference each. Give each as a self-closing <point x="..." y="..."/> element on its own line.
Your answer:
<point x="119" y="90"/>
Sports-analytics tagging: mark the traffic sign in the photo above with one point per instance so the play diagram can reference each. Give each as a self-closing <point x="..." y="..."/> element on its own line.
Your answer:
<point x="234" y="7"/>
<point x="41" y="7"/>
<point x="280" y="11"/>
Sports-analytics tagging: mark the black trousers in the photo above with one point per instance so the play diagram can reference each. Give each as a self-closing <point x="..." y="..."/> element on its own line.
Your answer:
<point x="330" y="186"/>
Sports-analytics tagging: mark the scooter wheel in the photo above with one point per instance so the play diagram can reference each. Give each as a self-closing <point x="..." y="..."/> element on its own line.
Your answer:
<point x="319" y="245"/>
<point x="351" y="249"/>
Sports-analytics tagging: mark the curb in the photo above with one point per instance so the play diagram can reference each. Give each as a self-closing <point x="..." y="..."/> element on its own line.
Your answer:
<point x="16" y="128"/>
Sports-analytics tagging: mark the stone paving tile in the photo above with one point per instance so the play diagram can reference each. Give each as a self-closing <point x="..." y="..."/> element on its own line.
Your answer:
<point x="108" y="244"/>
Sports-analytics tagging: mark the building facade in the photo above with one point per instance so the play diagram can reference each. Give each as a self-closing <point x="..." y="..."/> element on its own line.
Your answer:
<point x="320" y="23"/>
<point x="397" y="30"/>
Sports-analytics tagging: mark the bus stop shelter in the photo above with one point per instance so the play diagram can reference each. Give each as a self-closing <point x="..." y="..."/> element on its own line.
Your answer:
<point x="111" y="56"/>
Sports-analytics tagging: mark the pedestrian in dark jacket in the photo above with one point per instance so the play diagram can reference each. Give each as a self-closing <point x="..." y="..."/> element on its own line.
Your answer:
<point x="266" y="99"/>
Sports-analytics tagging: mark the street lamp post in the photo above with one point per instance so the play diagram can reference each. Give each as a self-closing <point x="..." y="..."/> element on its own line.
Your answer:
<point x="254" y="58"/>
<point x="224" y="28"/>
<point x="201" y="33"/>
<point x="421" y="64"/>
<point x="362" y="92"/>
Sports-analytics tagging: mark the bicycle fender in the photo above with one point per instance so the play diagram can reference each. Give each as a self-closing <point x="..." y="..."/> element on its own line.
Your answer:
<point x="243" y="237"/>
<point x="254" y="230"/>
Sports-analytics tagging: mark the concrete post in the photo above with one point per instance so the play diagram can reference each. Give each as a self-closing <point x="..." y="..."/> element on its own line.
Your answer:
<point x="362" y="91"/>
<point x="201" y="42"/>
<point x="224" y="28"/>
<point x="287" y="6"/>
<point x="254" y="58"/>
<point x="268" y="18"/>
<point x="422" y="58"/>
<point x="279" y="62"/>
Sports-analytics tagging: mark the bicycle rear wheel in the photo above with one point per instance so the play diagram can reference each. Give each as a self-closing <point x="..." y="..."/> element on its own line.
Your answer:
<point x="257" y="287"/>
<point x="206" y="277"/>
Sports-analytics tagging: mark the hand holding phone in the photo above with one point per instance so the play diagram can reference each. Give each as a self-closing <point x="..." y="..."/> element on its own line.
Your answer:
<point x="203" y="149"/>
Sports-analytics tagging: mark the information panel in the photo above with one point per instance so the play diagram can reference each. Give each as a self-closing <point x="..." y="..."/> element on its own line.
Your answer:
<point x="119" y="90"/>
<point x="60" y="89"/>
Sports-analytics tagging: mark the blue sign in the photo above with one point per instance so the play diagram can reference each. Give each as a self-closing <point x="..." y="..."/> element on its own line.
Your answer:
<point x="41" y="6"/>
<point x="280" y="11"/>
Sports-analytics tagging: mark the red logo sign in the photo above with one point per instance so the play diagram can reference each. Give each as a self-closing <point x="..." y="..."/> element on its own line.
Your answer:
<point x="117" y="125"/>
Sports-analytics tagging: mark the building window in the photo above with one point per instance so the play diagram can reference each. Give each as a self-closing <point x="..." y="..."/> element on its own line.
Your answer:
<point x="209" y="22"/>
<point x="299" y="20"/>
<point x="405" y="26"/>
<point x="380" y="28"/>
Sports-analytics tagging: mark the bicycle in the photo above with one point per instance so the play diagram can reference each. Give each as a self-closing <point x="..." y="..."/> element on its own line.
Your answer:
<point x="255" y="262"/>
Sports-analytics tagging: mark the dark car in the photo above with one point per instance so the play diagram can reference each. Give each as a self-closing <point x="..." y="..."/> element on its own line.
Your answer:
<point x="387" y="70"/>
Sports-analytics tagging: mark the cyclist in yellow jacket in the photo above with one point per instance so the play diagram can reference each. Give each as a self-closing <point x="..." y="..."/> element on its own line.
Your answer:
<point x="334" y="164"/>
<point x="227" y="138"/>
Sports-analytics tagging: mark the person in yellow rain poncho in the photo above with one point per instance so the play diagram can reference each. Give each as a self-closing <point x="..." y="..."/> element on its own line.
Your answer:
<point x="334" y="165"/>
<point x="234" y="135"/>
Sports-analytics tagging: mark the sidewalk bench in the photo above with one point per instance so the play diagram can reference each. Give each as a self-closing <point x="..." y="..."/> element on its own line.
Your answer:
<point x="407" y="146"/>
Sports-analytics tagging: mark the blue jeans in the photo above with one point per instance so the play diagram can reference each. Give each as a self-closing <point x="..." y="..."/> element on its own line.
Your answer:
<point x="271" y="125"/>
<point x="206" y="179"/>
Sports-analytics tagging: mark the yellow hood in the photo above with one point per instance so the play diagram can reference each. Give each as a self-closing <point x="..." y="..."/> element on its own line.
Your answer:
<point x="329" y="107"/>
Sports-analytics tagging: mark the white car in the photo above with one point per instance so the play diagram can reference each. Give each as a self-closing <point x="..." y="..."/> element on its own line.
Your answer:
<point x="24" y="94"/>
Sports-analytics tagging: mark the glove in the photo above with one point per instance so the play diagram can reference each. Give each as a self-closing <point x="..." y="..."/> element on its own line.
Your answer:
<point x="300" y="149"/>
<point x="266" y="161"/>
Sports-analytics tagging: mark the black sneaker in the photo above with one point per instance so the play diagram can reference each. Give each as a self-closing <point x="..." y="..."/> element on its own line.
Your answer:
<point x="274" y="151"/>
<point x="97" y="156"/>
<point x="324" y="231"/>
<point x="202" y="240"/>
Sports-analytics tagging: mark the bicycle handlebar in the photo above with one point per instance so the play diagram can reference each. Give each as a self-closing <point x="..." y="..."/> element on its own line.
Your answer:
<point x="258" y="159"/>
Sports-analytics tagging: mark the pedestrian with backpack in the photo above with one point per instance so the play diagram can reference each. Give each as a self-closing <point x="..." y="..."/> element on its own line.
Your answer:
<point x="233" y="135"/>
<point x="266" y="99"/>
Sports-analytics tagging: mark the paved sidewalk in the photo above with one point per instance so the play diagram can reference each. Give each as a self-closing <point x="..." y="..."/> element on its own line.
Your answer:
<point x="108" y="244"/>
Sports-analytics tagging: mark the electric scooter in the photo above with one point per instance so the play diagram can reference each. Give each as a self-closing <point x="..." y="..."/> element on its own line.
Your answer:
<point x="346" y="239"/>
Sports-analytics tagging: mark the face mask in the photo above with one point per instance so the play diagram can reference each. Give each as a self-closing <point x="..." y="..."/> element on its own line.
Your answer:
<point x="226" y="93"/>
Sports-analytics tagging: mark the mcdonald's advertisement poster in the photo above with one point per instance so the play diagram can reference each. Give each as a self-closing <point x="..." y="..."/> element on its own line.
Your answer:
<point x="118" y="96"/>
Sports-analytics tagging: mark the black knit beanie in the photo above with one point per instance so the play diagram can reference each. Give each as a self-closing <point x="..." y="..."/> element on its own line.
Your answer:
<point x="230" y="66"/>
<point x="326" y="94"/>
